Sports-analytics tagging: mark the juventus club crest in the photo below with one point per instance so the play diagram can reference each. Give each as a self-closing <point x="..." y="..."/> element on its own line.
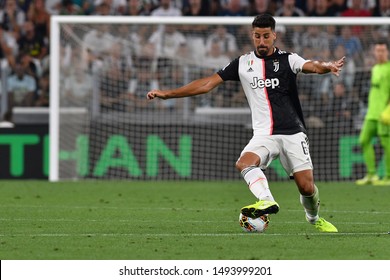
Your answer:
<point x="276" y="65"/>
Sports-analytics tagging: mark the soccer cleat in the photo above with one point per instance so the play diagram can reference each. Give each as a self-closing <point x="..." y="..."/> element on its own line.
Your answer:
<point x="384" y="182"/>
<point x="260" y="208"/>
<point x="324" y="226"/>
<point x="367" y="180"/>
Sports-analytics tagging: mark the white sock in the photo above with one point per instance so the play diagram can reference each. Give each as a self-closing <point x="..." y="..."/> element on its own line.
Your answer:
<point x="257" y="183"/>
<point x="312" y="205"/>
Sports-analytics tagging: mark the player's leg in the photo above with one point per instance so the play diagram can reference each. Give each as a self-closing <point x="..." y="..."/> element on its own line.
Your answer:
<point x="384" y="136"/>
<point x="295" y="158"/>
<point x="249" y="165"/>
<point x="310" y="200"/>
<point x="368" y="132"/>
<point x="309" y="195"/>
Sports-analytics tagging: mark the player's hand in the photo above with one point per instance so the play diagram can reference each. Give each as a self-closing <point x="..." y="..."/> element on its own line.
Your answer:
<point x="385" y="116"/>
<point x="155" y="93"/>
<point x="337" y="65"/>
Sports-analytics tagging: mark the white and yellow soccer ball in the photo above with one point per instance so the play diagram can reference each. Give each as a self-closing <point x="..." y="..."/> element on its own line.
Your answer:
<point x="249" y="224"/>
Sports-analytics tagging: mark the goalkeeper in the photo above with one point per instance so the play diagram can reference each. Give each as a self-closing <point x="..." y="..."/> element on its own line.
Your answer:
<point x="377" y="120"/>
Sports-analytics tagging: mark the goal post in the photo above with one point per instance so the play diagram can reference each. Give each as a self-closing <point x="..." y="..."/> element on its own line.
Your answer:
<point x="102" y="127"/>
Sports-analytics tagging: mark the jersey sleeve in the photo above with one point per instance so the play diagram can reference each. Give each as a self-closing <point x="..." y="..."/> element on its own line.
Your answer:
<point x="296" y="62"/>
<point x="230" y="71"/>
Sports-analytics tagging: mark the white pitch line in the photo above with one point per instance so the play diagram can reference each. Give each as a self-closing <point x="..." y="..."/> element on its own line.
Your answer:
<point x="180" y="209"/>
<point x="140" y="235"/>
<point x="167" y="221"/>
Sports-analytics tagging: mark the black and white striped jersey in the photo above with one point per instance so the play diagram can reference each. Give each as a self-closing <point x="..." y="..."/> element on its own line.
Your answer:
<point x="270" y="87"/>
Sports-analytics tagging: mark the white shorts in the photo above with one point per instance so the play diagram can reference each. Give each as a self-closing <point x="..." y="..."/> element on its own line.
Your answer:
<point x="293" y="151"/>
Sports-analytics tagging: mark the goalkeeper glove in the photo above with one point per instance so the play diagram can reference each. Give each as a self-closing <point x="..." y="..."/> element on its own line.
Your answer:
<point x="385" y="115"/>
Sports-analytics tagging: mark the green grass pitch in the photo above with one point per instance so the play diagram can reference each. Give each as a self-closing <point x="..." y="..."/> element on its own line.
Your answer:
<point x="134" y="220"/>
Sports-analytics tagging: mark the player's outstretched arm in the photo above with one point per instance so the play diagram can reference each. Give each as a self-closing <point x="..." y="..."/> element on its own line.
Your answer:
<point x="322" y="67"/>
<point x="196" y="87"/>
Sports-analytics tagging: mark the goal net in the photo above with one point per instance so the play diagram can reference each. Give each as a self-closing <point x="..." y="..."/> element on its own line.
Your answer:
<point x="102" y="126"/>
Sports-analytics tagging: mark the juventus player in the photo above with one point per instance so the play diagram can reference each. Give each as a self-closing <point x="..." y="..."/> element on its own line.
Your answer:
<point x="268" y="77"/>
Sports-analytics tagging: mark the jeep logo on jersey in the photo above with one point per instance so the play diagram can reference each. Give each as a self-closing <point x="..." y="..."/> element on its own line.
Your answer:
<point x="260" y="83"/>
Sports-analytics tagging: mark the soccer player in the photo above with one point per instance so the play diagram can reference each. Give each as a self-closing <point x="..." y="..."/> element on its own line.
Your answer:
<point x="268" y="77"/>
<point x="377" y="119"/>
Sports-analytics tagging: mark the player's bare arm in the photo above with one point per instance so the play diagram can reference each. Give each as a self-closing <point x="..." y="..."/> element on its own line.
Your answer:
<point x="196" y="87"/>
<point x="322" y="67"/>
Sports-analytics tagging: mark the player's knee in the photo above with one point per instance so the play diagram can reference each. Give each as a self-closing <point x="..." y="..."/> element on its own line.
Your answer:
<point x="305" y="182"/>
<point x="247" y="160"/>
<point x="240" y="165"/>
<point x="306" y="188"/>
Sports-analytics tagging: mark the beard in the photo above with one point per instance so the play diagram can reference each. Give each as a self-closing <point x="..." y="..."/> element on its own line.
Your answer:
<point x="262" y="50"/>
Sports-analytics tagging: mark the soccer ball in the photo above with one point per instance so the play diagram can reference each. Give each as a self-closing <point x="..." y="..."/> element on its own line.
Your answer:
<point x="258" y="225"/>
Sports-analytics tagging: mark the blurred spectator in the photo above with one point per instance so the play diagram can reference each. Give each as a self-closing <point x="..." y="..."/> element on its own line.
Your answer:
<point x="149" y="5"/>
<point x="116" y="71"/>
<point x="136" y="8"/>
<point x="216" y="59"/>
<point x="321" y="9"/>
<point x="364" y="4"/>
<point x="306" y="6"/>
<point x="343" y="107"/>
<point x="38" y="15"/>
<point x="336" y="7"/>
<point x="282" y="40"/>
<point x="31" y="65"/>
<point x="95" y="44"/>
<point x="316" y="39"/>
<point x="12" y="18"/>
<point x="234" y="8"/>
<point x="6" y="121"/>
<point x="313" y="109"/>
<point x="362" y="80"/>
<point x="103" y="9"/>
<point x="21" y="88"/>
<point x="351" y="43"/>
<point x="227" y="41"/>
<point x="113" y="90"/>
<point x="356" y="10"/>
<point x="167" y="44"/>
<point x="129" y="39"/>
<point x="67" y="7"/>
<point x="349" y="68"/>
<point x="86" y="6"/>
<point x="43" y="91"/>
<point x="22" y="4"/>
<point x="347" y="76"/>
<point x="382" y="9"/>
<point x="7" y="45"/>
<point x="257" y="7"/>
<point x="195" y="34"/>
<point x="196" y="8"/>
<point x="166" y="9"/>
<point x="142" y="82"/>
<point x="53" y="7"/>
<point x="215" y="7"/>
<point x="118" y="60"/>
<point x="78" y="88"/>
<point x="32" y="43"/>
<point x="289" y="9"/>
<point x="110" y="7"/>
